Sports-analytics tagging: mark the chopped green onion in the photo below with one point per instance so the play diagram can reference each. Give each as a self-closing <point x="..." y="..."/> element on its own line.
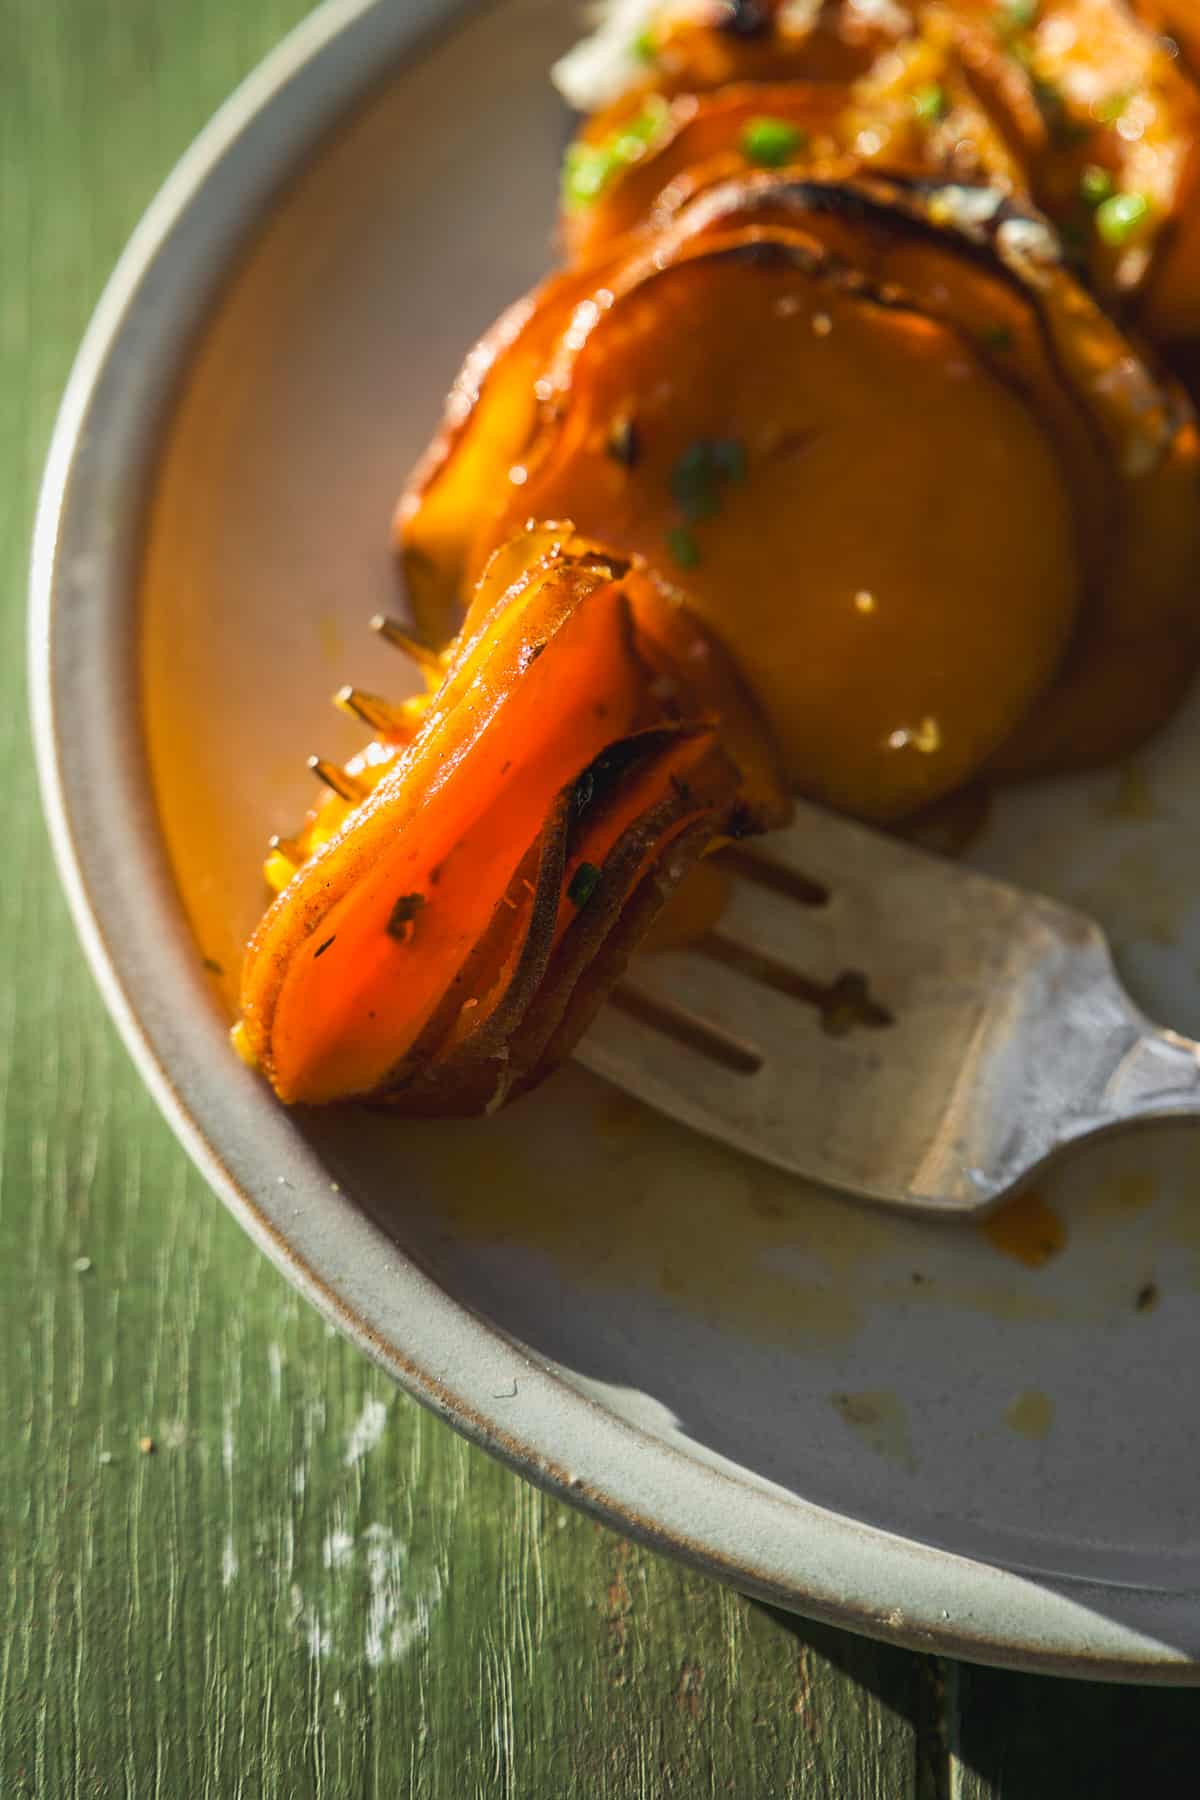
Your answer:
<point x="681" y="542"/>
<point x="588" y="168"/>
<point x="699" y="473"/>
<point x="772" y="142"/>
<point x="1019" y="15"/>
<point x="1120" y="218"/>
<point x="636" y="133"/>
<point x="700" y="504"/>
<point x="583" y="884"/>
<point x="644" y="48"/>
<point x="586" y="173"/>
<point x="693" y="464"/>
<point x="693" y="484"/>
<point x="930" y="104"/>
<point x="1096" y="185"/>
<point x="1110" y="110"/>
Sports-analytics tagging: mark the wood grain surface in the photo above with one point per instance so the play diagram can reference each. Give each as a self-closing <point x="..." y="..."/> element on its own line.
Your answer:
<point x="233" y="1560"/>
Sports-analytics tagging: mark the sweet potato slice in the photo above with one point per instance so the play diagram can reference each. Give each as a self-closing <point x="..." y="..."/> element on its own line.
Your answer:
<point x="634" y="165"/>
<point x="776" y="412"/>
<point x="896" y="658"/>
<point x="672" y="791"/>
<point x="400" y="960"/>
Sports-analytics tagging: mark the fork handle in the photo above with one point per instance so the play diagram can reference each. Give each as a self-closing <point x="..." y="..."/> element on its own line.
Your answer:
<point x="1154" y="1076"/>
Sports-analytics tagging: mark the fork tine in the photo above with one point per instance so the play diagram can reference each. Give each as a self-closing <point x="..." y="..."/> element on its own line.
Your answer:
<point x="942" y="1109"/>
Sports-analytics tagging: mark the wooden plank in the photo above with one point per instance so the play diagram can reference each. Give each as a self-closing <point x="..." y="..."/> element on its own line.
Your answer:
<point x="235" y="1561"/>
<point x="308" y="1586"/>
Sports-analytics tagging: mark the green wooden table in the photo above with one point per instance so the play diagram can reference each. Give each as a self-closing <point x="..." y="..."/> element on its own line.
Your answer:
<point x="233" y="1560"/>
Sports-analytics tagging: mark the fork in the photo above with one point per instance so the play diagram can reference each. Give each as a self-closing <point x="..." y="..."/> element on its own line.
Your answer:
<point x="961" y="1034"/>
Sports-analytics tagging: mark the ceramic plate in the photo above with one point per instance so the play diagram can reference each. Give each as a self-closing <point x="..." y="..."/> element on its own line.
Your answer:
<point x="900" y="1428"/>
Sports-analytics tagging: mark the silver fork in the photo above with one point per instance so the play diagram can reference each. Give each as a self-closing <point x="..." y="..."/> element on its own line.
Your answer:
<point x="891" y="1024"/>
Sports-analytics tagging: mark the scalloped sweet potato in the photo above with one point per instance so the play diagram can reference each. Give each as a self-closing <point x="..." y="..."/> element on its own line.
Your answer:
<point x="908" y="606"/>
<point x="635" y="164"/>
<point x="870" y="498"/>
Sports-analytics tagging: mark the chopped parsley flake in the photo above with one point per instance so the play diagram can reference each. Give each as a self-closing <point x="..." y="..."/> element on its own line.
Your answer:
<point x="1120" y="219"/>
<point x="772" y="142"/>
<point x="693" y="483"/>
<point x="1110" y="110"/>
<point x="701" y="471"/>
<point x="1096" y="185"/>
<point x="589" y="168"/>
<point x="681" y="542"/>
<point x="586" y="173"/>
<point x="930" y="104"/>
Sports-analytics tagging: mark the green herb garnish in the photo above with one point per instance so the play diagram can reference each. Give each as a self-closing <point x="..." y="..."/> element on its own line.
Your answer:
<point x="588" y="168"/>
<point x="701" y="471"/>
<point x="772" y="142"/>
<point x="1019" y="15"/>
<point x="1121" y="218"/>
<point x="1110" y="110"/>
<point x="1096" y="185"/>
<point x="587" y="171"/>
<point x="930" y="104"/>
<point x="583" y="884"/>
<point x="998" y="337"/>
<point x="681" y="542"/>
<point x="644" y="48"/>
<point x="694" y="483"/>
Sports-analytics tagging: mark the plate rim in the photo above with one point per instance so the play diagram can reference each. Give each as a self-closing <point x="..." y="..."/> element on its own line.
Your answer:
<point x="779" y="1548"/>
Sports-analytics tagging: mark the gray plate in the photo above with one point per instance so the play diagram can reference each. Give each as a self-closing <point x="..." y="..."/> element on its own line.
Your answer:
<point x="887" y="1425"/>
